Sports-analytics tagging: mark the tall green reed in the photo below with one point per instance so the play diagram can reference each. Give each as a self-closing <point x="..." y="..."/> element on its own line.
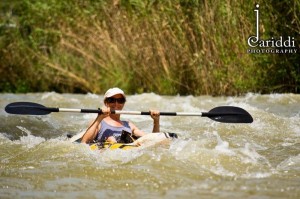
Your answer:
<point x="168" y="47"/>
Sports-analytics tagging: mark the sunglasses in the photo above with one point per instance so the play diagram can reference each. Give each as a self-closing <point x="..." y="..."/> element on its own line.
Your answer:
<point x="114" y="100"/>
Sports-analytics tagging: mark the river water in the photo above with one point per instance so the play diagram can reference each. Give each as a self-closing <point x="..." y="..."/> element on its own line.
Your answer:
<point x="209" y="160"/>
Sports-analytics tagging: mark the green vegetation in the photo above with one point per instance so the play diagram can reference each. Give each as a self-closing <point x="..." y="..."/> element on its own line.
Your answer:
<point x="162" y="46"/>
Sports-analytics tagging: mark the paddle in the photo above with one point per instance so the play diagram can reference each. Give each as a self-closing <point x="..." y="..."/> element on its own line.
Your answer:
<point x="226" y="114"/>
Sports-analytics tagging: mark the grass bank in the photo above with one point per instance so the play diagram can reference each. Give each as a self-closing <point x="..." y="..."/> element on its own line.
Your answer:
<point x="167" y="47"/>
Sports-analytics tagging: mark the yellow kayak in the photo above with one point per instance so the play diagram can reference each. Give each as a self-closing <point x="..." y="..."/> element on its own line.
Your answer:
<point x="149" y="139"/>
<point x="112" y="146"/>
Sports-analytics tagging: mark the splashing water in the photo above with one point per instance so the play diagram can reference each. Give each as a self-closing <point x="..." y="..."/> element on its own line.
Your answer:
<point x="209" y="160"/>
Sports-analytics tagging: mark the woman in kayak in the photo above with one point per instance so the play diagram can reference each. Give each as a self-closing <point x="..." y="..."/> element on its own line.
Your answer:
<point x="108" y="127"/>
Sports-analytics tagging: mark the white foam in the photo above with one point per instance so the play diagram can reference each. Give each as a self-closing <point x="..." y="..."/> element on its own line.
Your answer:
<point x="222" y="146"/>
<point x="29" y="140"/>
<point x="290" y="162"/>
<point x="257" y="175"/>
<point x="220" y="170"/>
<point x="111" y="157"/>
<point x="92" y="96"/>
<point x="251" y="156"/>
<point x="52" y="96"/>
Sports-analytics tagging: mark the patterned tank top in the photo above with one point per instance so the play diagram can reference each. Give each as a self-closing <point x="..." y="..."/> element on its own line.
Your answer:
<point x="107" y="130"/>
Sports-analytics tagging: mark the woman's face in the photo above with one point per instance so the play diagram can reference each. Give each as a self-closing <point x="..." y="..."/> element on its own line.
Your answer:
<point x="115" y="102"/>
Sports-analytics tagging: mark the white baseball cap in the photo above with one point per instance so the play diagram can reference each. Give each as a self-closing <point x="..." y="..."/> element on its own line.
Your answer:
<point x="113" y="91"/>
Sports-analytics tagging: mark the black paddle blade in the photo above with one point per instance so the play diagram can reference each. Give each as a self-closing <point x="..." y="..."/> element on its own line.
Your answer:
<point x="27" y="108"/>
<point x="229" y="114"/>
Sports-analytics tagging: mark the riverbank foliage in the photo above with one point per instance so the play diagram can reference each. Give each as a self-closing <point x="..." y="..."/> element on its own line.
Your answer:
<point x="163" y="46"/>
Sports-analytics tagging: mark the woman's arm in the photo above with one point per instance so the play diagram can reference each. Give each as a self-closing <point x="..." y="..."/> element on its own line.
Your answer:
<point x="135" y="130"/>
<point x="91" y="132"/>
<point x="156" y="127"/>
<point x="155" y="116"/>
<point x="94" y="127"/>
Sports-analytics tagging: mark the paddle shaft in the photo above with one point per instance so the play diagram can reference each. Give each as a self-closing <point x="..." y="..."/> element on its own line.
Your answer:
<point x="203" y="114"/>
<point x="121" y="112"/>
